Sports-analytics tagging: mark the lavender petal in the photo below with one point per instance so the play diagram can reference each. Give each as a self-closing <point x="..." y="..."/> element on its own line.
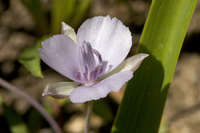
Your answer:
<point x="110" y="37"/>
<point x="101" y="89"/>
<point x="61" y="54"/>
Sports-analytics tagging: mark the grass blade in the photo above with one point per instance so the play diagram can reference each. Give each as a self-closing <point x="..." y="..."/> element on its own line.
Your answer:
<point x="80" y="13"/>
<point x="62" y="10"/>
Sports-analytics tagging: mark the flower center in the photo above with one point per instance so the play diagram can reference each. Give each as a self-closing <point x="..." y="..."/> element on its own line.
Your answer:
<point x="91" y="64"/>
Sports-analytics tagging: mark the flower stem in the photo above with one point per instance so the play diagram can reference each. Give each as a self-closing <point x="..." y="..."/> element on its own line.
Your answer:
<point x="33" y="102"/>
<point x="87" y="117"/>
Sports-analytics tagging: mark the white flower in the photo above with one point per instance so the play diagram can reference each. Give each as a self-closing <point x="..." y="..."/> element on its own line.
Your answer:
<point x="93" y="59"/>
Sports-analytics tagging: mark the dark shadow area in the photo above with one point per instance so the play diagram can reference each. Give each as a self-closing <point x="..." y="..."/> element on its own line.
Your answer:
<point x="4" y="127"/>
<point x="12" y="74"/>
<point x="144" y="96"/>
<point x="191" y="43"/>
<point x="106" y="108"/>
<point x="4" y="4"/>
<point x="137" y="29"/>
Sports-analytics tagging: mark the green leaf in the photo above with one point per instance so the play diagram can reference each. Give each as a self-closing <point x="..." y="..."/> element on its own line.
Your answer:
<point x="61" y="11"/>
<point x="30" y="58"/>
<point x="162" y="38"/>
<point x="81" y="11"/>
<point x="14" y="120"/>
<point x="163" y="126"/>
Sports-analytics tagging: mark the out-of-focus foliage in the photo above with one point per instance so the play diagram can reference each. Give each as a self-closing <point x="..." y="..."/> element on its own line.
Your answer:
<point x="14" y="120"/>
<point x="37" y="11"/>
<point x="80" y="12"/>
<point x="69" y="11"/>
<point x="101" y="108"/>
<point x="30" y="58"/>
<point x="62" y="10"/>
<point x="34" y="121"/>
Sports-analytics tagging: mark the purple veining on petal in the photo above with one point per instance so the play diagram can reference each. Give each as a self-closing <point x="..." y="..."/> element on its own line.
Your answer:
<point x="97" y="72"/>
<point x="98" y="55"/>
<point x="91" y="64"/>
<point x="78" y="76"/>
<point x="100" y="89"/>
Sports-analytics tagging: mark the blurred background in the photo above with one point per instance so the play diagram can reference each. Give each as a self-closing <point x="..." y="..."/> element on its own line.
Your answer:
<point x="24" y="23"/>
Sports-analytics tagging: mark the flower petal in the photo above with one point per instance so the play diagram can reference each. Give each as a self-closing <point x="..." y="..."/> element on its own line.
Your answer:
<point x="130" y="64"/>
<point x="69" y="31"/>
<point x="101" y="89"/>
<point x="59" y="89"/>
<point x="60" y="53"/>
<point x="110" y="37"/>
<point x="133" y="63"/>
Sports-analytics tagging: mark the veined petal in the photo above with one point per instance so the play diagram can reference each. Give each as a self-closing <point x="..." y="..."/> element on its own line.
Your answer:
<point x="101" y="89"/>
<point x="69" y="31"/>
<point x="110" y="37"/>
<point x="61" y="54"/>
<point x="59" y="89"/>
<point x="130" y="64"/>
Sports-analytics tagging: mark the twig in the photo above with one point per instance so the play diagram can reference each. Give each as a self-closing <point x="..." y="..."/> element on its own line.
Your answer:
<point x="33" y="102"/>
<point x="87" y="117"/>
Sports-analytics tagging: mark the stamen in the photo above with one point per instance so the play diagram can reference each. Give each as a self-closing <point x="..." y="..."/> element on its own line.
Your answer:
<point x="98" y="55"/>
<point x="91" y="64"/>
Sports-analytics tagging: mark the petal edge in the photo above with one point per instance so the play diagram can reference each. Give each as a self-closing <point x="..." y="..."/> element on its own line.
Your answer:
<point x="69" y="31"/>
<point x="60" y="53"/>
<point x="101" y="89"/>
<point x="109" y="36"/>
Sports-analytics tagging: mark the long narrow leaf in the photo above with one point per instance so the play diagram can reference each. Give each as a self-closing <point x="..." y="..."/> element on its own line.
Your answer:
<point x="80" y="13"/>
<point x="162" y="38"/>
<point x="61" y="11"/>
